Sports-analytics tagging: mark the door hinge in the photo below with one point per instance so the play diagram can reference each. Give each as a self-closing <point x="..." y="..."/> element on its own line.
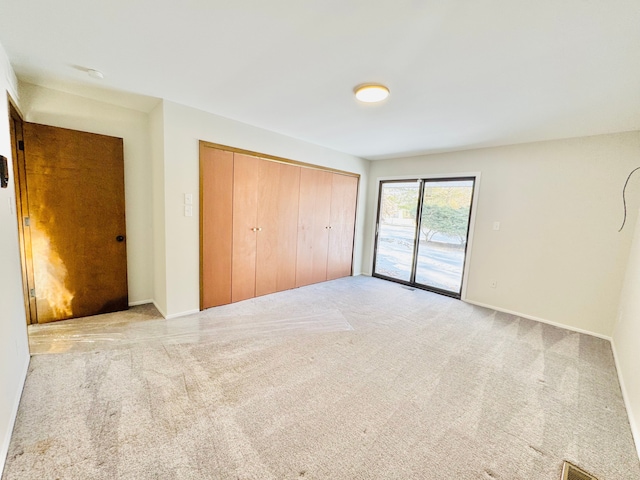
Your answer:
<point x="27" y="222"/>
<point x="32" y="293"/>
<point x="21" y="145"/>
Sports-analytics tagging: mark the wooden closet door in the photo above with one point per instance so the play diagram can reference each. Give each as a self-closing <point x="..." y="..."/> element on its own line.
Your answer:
<point x="245" y="225"/>
<point x="344" y="193"/>
<point x="267" y="220"/>
<point x="288" y="205"/>
<point x="278" y="192"/>
<point x="216" y="226"/>
<point x="313" y="226"/>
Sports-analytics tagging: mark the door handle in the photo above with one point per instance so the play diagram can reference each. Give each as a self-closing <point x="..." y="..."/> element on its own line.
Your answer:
<point x="120" y="238"/>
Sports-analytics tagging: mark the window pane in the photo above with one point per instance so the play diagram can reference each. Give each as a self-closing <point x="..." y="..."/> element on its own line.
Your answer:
<point x="443" y="234"/>
<point x="397" y="229"/>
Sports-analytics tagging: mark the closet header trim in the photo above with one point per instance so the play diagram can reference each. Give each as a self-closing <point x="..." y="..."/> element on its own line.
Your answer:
<point x="273" y="158"/>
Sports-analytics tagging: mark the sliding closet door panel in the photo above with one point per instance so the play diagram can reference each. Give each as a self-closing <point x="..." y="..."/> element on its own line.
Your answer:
<point x="288" y="202"/>
<point x="245" y="227"/>
<point x="278" y="219"/>
<point x="267" y="237"/>
<point x="313" y="226"/>
<point x="216" y="206"/>
<point x="344" y="192"/>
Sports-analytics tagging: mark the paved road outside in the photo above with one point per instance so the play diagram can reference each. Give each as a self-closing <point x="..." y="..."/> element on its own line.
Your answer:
<point x="439" y="266"/>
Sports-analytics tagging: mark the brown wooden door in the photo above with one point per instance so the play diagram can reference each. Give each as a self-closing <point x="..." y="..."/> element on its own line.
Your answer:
<point x="245" y="226"/>
<point x="344" y="193"/>
<point x="287" y="243"/>
<point x="75" y="195"/>
<point x="278" y="192"/>
<point x="313" y="226"/>
<point x="216" y="226"/>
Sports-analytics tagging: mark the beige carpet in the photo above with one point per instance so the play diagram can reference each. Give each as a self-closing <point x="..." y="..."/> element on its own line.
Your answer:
<point x="422" y="387"/>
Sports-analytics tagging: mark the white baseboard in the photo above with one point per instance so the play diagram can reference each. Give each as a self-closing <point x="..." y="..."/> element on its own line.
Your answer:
<point x="140" y="302"/>
<point x="182" y="314"/>
<point x="530" y="317"/>
<point x="538" y="319"/>
<point x="173" y="315"/>
<point x="14" y="414"/>
<point x="159" y="309"/>
<point x="627" y="401"/>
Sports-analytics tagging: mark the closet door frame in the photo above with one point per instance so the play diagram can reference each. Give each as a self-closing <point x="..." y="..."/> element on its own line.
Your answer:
<point x="263" y="156"/>
<point x="274" y="158"/>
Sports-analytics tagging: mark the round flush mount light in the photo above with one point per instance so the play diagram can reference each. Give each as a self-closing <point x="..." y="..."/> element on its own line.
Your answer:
<point x="95" y="74"/>
<point x="371" y="92"/>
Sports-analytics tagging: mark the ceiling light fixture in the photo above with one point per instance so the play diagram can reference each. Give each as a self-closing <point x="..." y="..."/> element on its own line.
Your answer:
<point x="371" y="92"/>
<point x="95" y="74"/>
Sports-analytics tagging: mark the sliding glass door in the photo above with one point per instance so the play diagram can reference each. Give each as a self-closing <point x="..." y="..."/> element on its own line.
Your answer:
<point x="397" y="230"/>
<point x="422" y="232"/>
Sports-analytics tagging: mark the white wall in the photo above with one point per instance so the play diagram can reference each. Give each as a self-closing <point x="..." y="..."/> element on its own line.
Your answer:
<point x="626" y="336"/>
<point x="156" y="121"/>
<point x="183" y="128"/>
<point x="14" y="349"/>
<point x="59" y="109"/>
<point x="558" y="255"/>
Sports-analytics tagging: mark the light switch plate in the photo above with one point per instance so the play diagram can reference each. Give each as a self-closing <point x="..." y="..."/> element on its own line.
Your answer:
<point x="188" y="211"/>
<point x="188" y="199"/>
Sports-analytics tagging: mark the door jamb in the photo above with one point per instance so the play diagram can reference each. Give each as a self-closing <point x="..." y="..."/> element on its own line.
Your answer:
<point x="16" y="122"/>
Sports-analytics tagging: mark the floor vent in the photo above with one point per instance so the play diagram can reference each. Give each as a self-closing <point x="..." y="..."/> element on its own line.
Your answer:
<point x="571" y="472"/>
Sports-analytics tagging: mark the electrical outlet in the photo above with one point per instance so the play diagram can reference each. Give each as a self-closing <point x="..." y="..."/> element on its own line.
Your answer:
<point x="493" y="284"/>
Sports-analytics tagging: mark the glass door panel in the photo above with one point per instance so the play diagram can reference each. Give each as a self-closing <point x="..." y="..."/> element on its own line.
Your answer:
<point x="444" y="228"/>
<point x="396" y="236"/>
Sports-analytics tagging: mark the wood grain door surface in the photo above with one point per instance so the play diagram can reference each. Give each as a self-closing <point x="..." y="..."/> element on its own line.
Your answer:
<point x="314" y="216"/>
<point x="245" y="225"/>
<point x="75" y="191"/>
<point x="344" y="192"/>
<point x="278" y="193"/>
<point x="287" y="242"/>
<point x="268" y="226"/>
<point x="216" y="226"/>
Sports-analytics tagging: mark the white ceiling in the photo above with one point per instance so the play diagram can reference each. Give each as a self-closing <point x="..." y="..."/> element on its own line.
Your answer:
<point x="462" y="74"/>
